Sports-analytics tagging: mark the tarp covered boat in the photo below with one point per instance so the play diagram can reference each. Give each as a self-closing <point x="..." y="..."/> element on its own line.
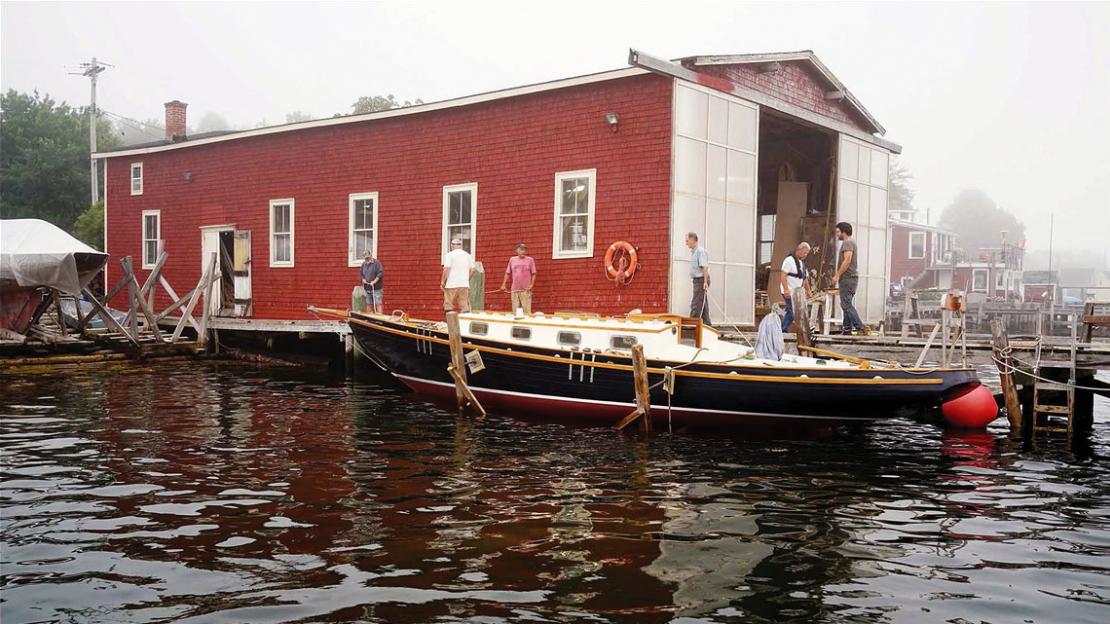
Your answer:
<point x="35" y="257"/>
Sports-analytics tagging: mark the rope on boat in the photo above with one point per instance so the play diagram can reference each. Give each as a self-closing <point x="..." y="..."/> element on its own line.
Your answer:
<point x="709" y="296"/>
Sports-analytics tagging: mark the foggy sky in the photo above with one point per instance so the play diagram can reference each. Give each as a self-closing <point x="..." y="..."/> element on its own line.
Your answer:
<point x="1012" y="99"/>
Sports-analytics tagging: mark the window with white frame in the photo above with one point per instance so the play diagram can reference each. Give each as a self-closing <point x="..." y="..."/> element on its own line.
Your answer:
<point x="152" y="233"/>
<point x="137" y="178"/>
<point x="281" y="232"/>
<point x="362" y="209"/>
<point x="574" y="214"/>
<point x="460" y="215"/>
<point x="917" y="245"/>
<point x="979" y="280"/>
<point x="766" y="238"/>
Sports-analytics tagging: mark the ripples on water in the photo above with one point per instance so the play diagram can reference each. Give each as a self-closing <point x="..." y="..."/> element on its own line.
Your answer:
<point x="227" y="493"/>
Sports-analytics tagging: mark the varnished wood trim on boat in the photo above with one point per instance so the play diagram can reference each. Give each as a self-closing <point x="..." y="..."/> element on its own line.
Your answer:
<point x="659" y="371"/>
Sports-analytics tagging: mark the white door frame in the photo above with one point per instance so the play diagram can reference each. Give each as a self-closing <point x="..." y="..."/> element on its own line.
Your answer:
<point x="212" y="296"/>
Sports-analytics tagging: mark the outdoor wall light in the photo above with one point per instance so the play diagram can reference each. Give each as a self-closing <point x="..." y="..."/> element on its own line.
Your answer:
<point x="612" y="119"/>
<point x="187" y="176"/>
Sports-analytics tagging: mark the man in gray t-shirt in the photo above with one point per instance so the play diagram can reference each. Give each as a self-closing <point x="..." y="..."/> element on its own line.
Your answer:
<point x="847" y="277"/>
<point x="699" y="275"/>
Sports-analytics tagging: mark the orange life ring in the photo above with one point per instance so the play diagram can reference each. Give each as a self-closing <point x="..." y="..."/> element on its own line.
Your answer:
<point x="627" y="266"/>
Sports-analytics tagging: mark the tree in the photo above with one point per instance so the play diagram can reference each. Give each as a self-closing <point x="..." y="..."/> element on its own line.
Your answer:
<point x="89" y="227"/>
<point x="44" y="158"/>
<point x="298" y="116"/>
<point x="901" y="193"/>
<point x="375" y="103"/>
<point x="211" y="122"/>
<point x="979" y="222"/>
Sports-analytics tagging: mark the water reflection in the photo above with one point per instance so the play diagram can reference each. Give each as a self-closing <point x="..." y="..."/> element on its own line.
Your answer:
<point x="229" y="493"/>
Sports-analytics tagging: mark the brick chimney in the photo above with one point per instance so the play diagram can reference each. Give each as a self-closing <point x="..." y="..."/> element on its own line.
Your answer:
<point x="175" y="120"/>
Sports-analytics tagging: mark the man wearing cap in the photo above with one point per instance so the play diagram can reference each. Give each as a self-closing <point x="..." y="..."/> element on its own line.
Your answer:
<point x="372" y="274"/>
<point x="455" y="281"/>
<point x="522" y="269"/>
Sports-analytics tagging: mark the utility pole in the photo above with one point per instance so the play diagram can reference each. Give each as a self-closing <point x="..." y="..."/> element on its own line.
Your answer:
<point x="1051" y="280"/>
<point x="92" y="69"/>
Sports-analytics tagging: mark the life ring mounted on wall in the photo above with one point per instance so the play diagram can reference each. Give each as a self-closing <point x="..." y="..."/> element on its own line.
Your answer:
<point x="621" y="262"/>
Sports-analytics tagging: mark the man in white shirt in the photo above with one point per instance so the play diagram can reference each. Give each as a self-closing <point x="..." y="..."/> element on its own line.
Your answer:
<point x="455" y="282"/>
<point x="793" y="276"/>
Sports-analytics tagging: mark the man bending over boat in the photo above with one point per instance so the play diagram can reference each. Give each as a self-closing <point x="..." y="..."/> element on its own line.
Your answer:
<point x="769" y="343"/>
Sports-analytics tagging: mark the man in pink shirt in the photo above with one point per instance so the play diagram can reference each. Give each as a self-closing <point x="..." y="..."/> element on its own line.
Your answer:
<point x="522" y="269"/>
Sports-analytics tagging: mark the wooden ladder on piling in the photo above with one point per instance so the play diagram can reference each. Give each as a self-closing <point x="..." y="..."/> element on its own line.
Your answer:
<point x="1043" y="390"/>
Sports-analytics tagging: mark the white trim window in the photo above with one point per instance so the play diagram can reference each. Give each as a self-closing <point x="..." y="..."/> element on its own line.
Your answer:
<point x="152" y="234"/>
<point x="460" y="216"/>
<point x="575" y="195"/>
<point x="137" y="178"/>
<point x="979" y="280"/>
<point x="917" y="246"/>
<point x="282" y="219"/>
<point x="362" y="226"/>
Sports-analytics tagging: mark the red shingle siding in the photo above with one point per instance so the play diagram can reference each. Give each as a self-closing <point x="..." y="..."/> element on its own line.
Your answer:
<point x="901" y="265"/>
<point x="796" y="83"/>
<point x="511" y="148"/>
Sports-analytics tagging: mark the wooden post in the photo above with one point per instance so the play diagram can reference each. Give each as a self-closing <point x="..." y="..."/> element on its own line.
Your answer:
<point x="801" y="316"/>
<point x="643" y="392"/>
<point x="925" y="349"/>
<point x="463" y="395"/>
<point x="109" y="320"/>
<point x="187" y="313"/>
<point x="140" y="299"/>
<point x="132" y="295"/>
<point x="1005" y="375"/>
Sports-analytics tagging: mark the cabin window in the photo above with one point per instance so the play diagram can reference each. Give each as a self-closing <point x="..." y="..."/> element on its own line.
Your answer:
<point x="522" y="333"/>
<point x="152" y="233"/>
<point x="137" y="178"/>
<point x="281" y="232"/>
<point x="479" y="329"/>
<point x="917" y="245"/>
<point x="362" y="219"/>
<point x="622" y="342"/>
<point x="574" y="214"/>
<point x="460" y="216"/>
<point x="979" y="280"/>
<point x="571" y="339"/>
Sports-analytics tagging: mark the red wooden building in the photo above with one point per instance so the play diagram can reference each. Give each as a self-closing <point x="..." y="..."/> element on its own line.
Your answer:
<point x="641" y="154"/>
<point x="915" y="247"/>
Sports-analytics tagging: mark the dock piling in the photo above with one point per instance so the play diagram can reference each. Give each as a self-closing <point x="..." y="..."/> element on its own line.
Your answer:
<point x="1006" y="376"/>
<point x="643" y="393"/>
<point x="463" y="395"/>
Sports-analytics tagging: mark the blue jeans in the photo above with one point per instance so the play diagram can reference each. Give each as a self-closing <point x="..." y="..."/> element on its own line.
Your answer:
<point x="789" y="318"/>
<point x="847" y="294"/>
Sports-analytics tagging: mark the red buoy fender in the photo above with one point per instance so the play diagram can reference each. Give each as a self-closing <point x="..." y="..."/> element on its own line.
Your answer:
<point x="972" y="409"/>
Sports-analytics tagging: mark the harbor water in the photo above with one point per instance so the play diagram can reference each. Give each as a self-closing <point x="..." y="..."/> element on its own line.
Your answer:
<point x="226" y="492"/>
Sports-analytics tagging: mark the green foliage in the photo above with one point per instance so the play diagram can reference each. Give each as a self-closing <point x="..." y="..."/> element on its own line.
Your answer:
<point x="901" y="194"/>
<point x="298" y="116"/>
<point x="44" y="158"/>
<point x="980" y="222"/>
<point x="375" y="103"/>
<point x="89" y="227"/>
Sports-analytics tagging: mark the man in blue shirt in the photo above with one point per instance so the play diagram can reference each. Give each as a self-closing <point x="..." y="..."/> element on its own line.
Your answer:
<point x="699" y="273"/>
<point x="371" y="274"/>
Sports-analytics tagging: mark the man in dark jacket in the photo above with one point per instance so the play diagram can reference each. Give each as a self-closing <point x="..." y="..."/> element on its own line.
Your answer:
<point x="371" y="274"/>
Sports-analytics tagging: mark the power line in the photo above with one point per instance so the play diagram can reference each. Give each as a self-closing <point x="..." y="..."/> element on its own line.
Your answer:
<point x="140" y="125"/>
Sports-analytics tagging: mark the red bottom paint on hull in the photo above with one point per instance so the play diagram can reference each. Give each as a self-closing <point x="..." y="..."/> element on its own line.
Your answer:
<point x="571" y="411"/>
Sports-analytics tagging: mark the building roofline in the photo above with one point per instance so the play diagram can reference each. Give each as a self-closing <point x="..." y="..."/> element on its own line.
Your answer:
<point x="681" y="72"/>
<point x="799" y="55"/>
<point x="488" y="96"/>
<point x="920" y="226"/>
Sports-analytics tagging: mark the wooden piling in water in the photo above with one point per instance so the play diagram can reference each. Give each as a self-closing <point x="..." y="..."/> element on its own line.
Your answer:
<point x="1006" y="376"/>
<point x="463" y="395"/>
<point x="643" y="392"/>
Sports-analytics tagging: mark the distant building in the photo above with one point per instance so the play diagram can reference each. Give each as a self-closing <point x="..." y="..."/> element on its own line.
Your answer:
<point x="643" y="154"/>
<point x="1072" y="286"/>
<point x="915" y="247"/>
<point x="991" y="274"/>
